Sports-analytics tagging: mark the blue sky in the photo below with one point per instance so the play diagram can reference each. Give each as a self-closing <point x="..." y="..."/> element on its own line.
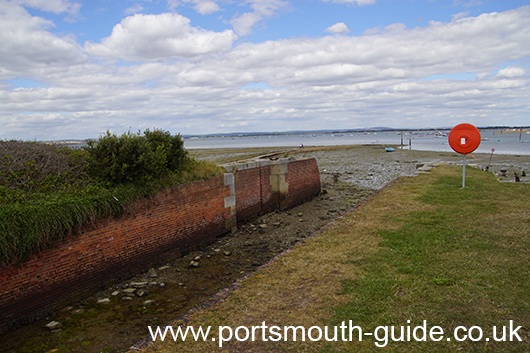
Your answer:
<point x="74" y="69"/>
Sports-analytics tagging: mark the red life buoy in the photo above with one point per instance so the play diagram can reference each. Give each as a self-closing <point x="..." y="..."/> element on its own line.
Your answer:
<point x="464" y="138"/>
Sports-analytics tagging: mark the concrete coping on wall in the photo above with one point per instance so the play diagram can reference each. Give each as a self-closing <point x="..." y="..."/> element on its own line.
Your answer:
<point x="233" y="167"/>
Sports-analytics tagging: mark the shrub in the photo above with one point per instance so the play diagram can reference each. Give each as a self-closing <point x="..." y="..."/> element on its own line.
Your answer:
<point x="133" y="157"/>
<point x="28" y="168"/>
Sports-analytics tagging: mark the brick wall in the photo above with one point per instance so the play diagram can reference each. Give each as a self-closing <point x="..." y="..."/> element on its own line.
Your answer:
<point x="154" y="230"/>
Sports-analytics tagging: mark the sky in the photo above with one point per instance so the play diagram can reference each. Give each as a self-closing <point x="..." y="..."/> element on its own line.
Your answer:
<point x="76" y="69"/>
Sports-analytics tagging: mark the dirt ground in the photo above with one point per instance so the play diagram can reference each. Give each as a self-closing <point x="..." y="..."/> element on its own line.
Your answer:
<point x="116" y="318"/>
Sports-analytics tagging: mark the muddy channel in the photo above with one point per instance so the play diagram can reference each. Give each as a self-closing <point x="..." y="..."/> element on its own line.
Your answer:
<point x="117" y="317"/>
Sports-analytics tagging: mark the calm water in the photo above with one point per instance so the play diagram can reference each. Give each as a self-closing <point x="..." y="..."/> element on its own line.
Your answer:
<point x="507" y="143"/>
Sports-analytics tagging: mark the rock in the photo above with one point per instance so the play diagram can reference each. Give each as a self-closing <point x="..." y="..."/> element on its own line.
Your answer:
<point x="227" y="253"/>
<point x="300" y="214"/>
<point x="78" y="311"/>
<point x="152" y="273"/>
<point x="129" y="290"/>
<point x="142" y="293"/>
<point x="163" y="268"/>
<point x="263" y="226"/>
<point x="126" y="298"/>
<point x="104" y="301"/>
<point x="138" y="284"/>
<point x="53" y="325"/>
<point x="149" y="302"/>
<point x="197" y="258"/>
<point x="217" y="250"/>
<point x="161" y="284"/>
<point x="194" y="264"/>
<point x="115" y="293"/>
<point x="153" y="283"/>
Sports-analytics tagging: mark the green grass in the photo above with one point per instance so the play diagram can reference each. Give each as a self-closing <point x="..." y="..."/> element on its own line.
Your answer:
<point x="460" y="258"/>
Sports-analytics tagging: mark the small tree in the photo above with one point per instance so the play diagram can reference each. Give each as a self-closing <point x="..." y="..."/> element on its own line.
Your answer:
<point x="133" y="157"/>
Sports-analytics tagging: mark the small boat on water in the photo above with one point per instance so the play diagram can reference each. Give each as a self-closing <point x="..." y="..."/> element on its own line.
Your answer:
<point x="389" y="149"/>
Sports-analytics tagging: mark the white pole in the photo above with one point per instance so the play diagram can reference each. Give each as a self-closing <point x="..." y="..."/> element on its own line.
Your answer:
<point x="464" y="173"/>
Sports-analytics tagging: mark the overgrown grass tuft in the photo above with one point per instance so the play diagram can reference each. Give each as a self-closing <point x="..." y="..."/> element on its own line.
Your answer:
<point x="46" y="194"/>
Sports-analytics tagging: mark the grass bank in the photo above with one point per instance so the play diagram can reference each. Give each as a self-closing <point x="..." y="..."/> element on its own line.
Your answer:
<point x="49" y="192"/>
<point x="423" y="251"/>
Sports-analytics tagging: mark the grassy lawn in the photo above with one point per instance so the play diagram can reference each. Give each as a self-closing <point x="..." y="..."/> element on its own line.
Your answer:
<point x="422" y="252"/>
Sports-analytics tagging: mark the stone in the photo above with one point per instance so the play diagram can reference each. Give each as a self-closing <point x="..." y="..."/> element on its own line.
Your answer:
<point x="161" y="284"/>
<point x="142" y="292"/>
<point x="78" y="311"/>
<point x="138" y="284"/>
<point x="263" y="226"/>
<point x="194" y="264"/>
<point x="163" y="268"/>
<point x="53" y="325"/>
<point x="197" y="258"/>
<point x="227" y="253"/>
<point x="115" y="293"/>
<point x="126" y="298"/>
<point x="217" y="250"/>
<point x="104" y="301"/>
<point x="152" y="273"/>
<point x="129" y="290"/>
<point x="149" y="302"/>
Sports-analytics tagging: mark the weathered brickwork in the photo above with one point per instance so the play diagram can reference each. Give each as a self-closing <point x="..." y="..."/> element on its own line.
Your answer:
<point x="154" y="230"/>
<point x="303" y="179"/>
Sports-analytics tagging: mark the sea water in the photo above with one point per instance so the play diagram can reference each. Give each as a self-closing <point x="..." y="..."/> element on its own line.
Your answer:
<point x="503" y="143"/>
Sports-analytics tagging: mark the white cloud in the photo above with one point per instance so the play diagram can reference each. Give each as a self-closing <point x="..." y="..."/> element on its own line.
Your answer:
<point x="511" y="71"/>
<point x="55" y="6"/>
<point x="244" y="23"/>
<point x="159" y="37"/>
<point x="134" y="9"/>
<point x="460" y="15"/>
<point x="28" y="46"/>
<point x="338" y="28"/>
<point x="204" y="7"/>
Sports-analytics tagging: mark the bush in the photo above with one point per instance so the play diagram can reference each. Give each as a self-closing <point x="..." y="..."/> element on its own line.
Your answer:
<point x="135" y="157"/>
<point x="28" y="168"/>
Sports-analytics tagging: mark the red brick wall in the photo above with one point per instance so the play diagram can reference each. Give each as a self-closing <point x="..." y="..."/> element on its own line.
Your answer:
<point x="248" y="192"/>
<point x="303" y="178"/>
<point x="154" y="230"/>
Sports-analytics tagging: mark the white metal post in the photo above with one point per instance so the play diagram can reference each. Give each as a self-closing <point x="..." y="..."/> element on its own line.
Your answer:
<point x="464" y="173"/>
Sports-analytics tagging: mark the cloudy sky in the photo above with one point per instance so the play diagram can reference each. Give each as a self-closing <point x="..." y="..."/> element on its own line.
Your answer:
<point x="75" y="68"/>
